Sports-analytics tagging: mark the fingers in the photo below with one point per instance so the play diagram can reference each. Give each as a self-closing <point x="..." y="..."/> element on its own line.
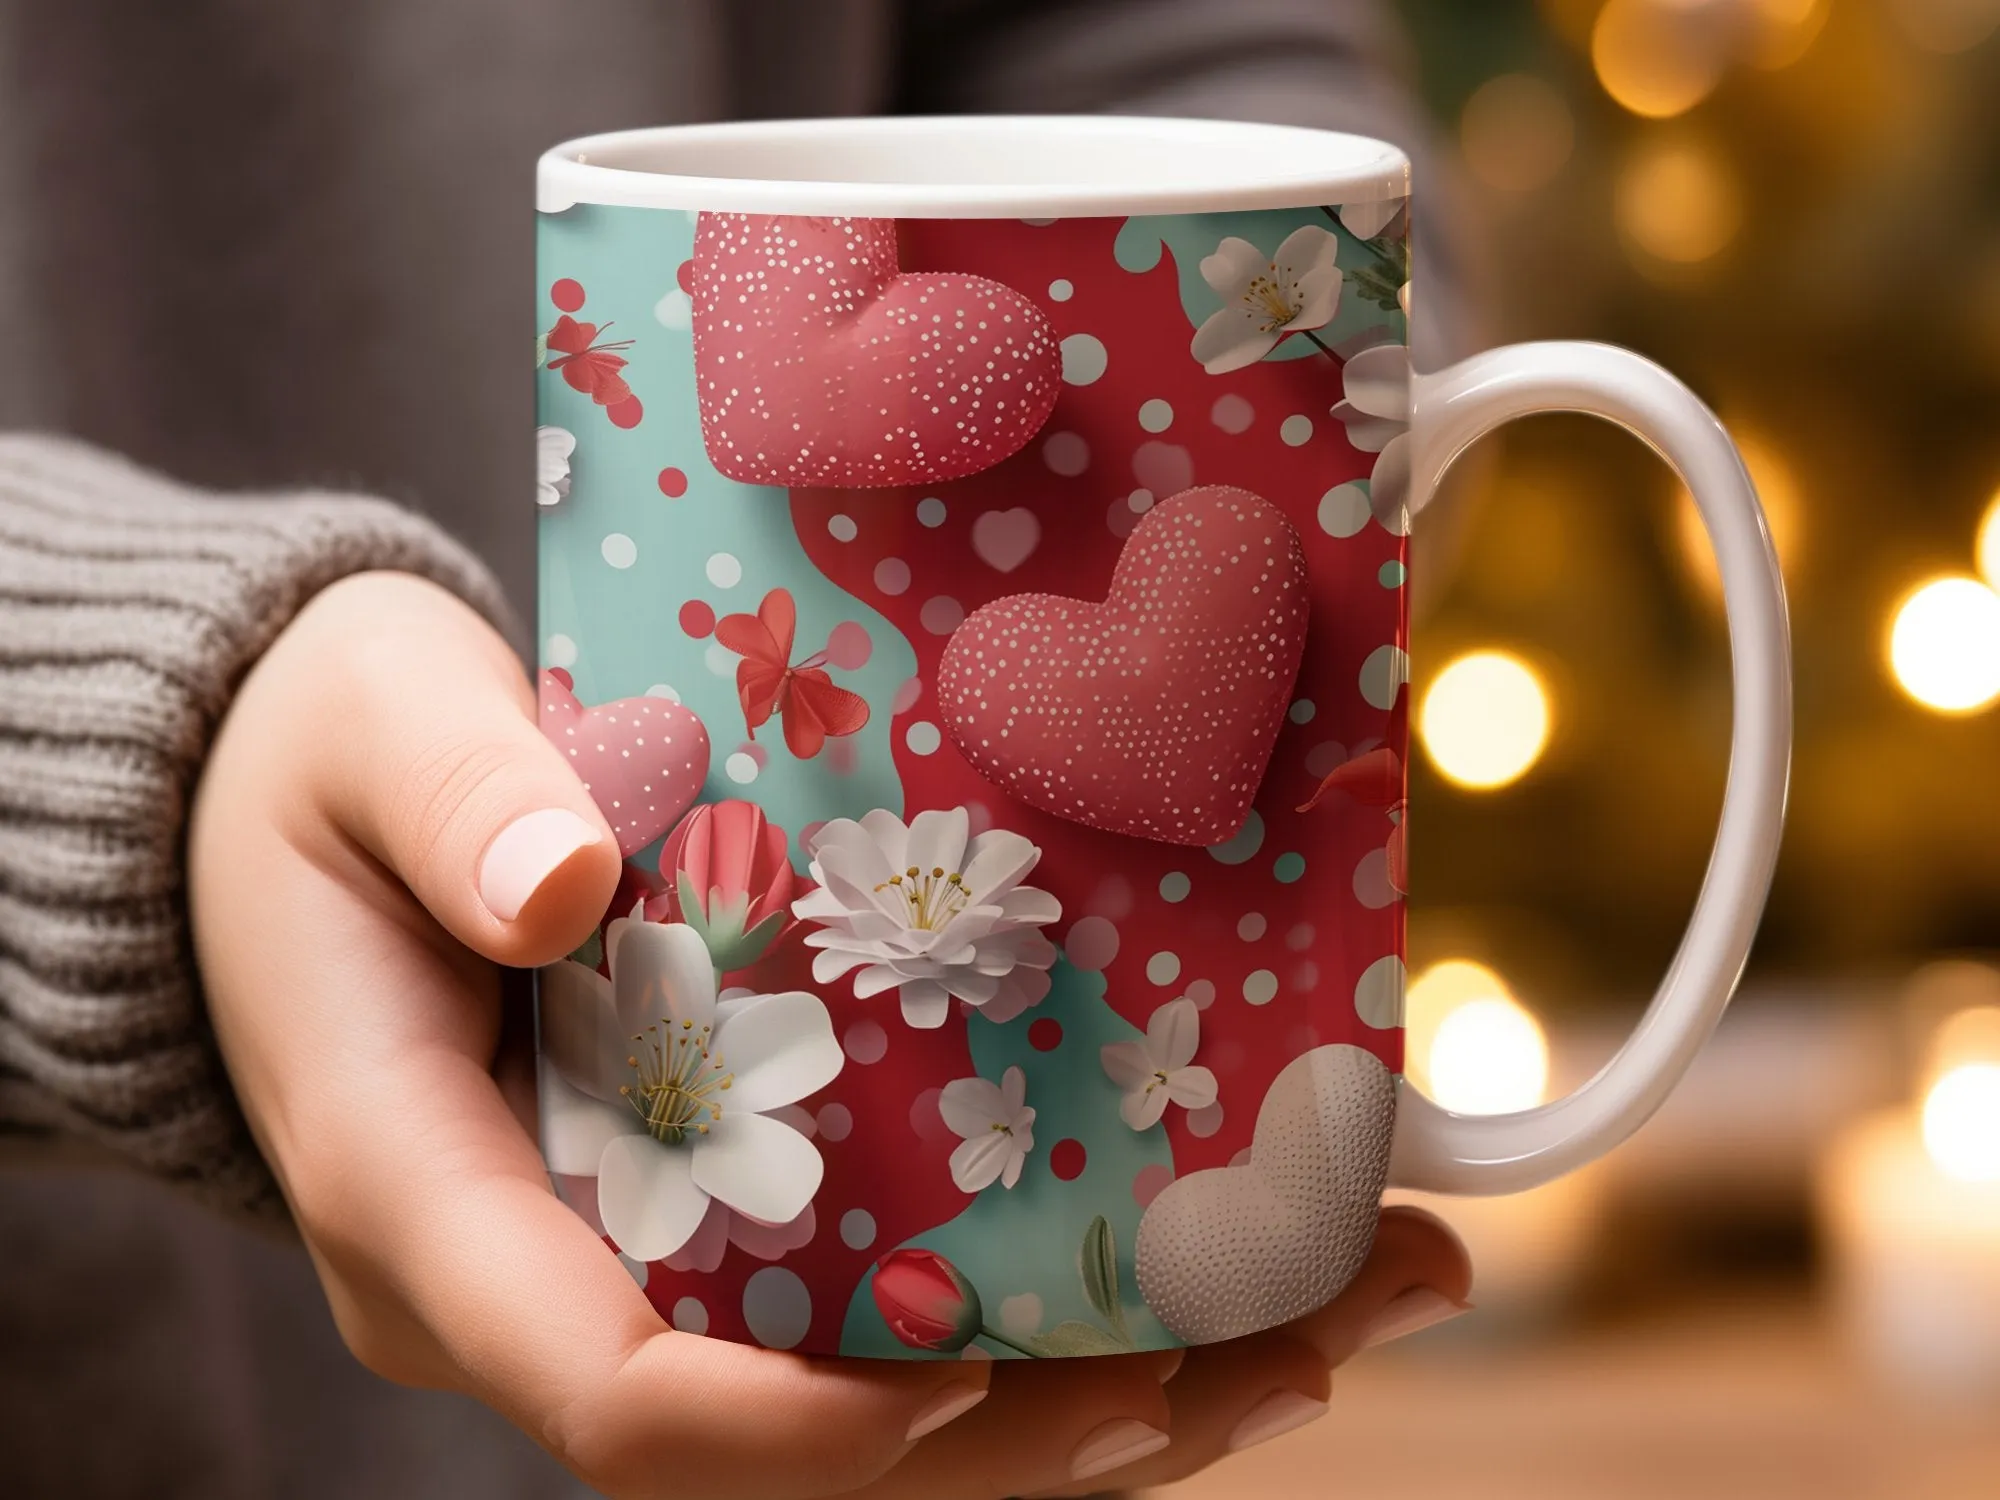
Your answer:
<point x="432" y="761"/>
<point x="1232" y="1396"/>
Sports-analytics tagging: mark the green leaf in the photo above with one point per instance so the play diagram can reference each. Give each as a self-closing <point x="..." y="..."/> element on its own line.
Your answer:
<point x="1100" y="1271"/>
<point x="541" y="349"/>
<point x="1071" y="1339"/>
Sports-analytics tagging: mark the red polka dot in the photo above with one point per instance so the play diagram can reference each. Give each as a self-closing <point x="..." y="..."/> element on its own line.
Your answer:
<point x="1045" y="1035"/>
<point x="673" y="483"/>
<point x="567" y="294"/>
<point x="1066" y="1158"/>
<point x="684" y="276"/>
<point x="697" y="619"/>
<point x="625" y="413"/>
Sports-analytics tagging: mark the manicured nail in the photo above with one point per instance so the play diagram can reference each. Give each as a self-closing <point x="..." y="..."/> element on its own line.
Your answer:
<point x="1167" y="1364"/>
<point x="1277" y="1414"/>
<point x="949" y="1404"/>
<point x="1419" y="1308"/>
<point x="527" y="852"/>
<point x="1114" y="1445"/>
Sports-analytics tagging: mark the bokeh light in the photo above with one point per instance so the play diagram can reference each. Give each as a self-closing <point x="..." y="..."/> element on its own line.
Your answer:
<point x="1962" y="1123"/>
<point x="1489" y="1057"/>
<point x="1944" y="645"/>
<point x="1485" y="719"/>
<point x="1967" y="1036"/>
<point x="1784" y="511"/>
<point x="1516" y="132"/>
<point x="1988" y="544"/>
<point x="1947" y="25"/>
<point x="1677" y="201"/>
<point x="1432" y="995"/>
<point x="1786" y="31"/>
<point x="1657" y="59"/>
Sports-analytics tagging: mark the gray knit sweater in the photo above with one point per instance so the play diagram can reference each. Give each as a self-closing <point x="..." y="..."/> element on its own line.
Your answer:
<point x="270" y="246"/>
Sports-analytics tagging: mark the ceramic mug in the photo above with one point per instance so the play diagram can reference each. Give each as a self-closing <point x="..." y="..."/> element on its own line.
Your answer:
<point x="972" y="586"/>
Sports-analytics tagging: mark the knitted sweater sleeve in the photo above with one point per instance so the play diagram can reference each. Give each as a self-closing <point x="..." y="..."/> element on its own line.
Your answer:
<point x="130" y="608"/>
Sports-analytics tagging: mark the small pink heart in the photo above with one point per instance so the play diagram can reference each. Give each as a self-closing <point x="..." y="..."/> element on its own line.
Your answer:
<point x="819" y="361"/>
<point x="642" y="760"/>
<point x="1004" y="539"/>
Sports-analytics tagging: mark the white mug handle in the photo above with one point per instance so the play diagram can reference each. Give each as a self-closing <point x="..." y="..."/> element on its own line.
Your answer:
<point x="1436" y="1150"/>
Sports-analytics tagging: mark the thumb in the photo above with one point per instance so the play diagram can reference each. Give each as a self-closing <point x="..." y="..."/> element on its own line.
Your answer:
<point x="437" y="768"/>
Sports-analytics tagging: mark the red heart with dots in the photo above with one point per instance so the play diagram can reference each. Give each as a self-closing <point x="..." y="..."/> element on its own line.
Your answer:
<point x="1152" y="714"/>
<point x="818" y="361"/>
<point x="642" y="760"/>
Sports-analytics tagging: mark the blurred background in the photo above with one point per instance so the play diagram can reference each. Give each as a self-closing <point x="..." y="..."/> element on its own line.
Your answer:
<point x="1788" y="1284"/>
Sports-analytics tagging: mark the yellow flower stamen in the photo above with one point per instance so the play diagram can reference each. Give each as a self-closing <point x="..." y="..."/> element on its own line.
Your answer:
<point x="680" y="1080"/>
<point x="1265" y="292"/>
<point x="931" y="899"/>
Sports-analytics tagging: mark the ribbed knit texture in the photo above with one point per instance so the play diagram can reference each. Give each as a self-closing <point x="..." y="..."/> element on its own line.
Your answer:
<point x="130" y="608"/>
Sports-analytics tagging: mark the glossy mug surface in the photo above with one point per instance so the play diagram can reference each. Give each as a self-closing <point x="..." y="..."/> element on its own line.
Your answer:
<point x="979" y="613"/>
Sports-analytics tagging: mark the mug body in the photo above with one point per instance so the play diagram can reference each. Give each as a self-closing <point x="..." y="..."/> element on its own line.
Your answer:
<point x="972" y="562"/>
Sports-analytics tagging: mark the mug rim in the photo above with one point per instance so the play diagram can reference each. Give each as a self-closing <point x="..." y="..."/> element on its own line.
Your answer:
<point x="994" y="166"/>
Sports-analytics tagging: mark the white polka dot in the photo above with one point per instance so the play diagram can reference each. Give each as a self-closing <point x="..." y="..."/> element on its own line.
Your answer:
<point x="1205" y="1122"/>
<point x="1083" y="359"/>
<point x="636" y="1269"/>
<point x="1300" y="937"/>
<point x="689" y="1316"/>
<point x="1371" y="880"/>
<point x="720" y="659"/>
<point x="1202" y="992"/>
<point x="842" y="528"/>
<point x="777" y="1307"/>
<point x="619" y="550"/>
<point x="1261" y="987"/>
<point x="1156" y="415"/>
<point x="741" y="768"/>
<point x="857" y="1229"/>
<point x="1249" y="839"/>
<point x="1092" y="944"/>
<point x="1021" y="1316"/>
<point x="675" y="311"/>
<point x="1163" y="968"/>
<point x="559" y="651"/>
<point x="931" y="511"/>
<point x="942" y="615"/>
<point x="1302" y="711"/>
<point x="724" y="571"/>
<point x="1251" y="927"/>
<point x="664" y="690"/>
<point x="1343" y="510"/>
<point x="866" y="1042"/>
<point x="923" y="738"/>
<point x="1060" y="290"/>
<point x="1386" y="670"/>
<point x="835" y="1121"/>
<point x="1232" y="414"/>
<point x="1139" y="501"/>
<point x="1378" y="994"/>
<point x="1066" y="453"/>
<point x="1174" y="886"/>
<point x="892" y="575"/>
<point x="1296" y="429"/>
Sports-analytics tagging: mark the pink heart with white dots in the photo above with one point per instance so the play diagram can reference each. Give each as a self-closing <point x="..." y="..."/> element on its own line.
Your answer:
<point x="642" y="760"/>
<point x="819" y="361"/>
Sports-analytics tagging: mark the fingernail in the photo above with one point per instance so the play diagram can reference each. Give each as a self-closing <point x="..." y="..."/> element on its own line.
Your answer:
<point x="1112" y="1446"/>
<point x="949" y="1404"/>
<point x="527" y="852"/>
<point x="1167" y="1364"/>
<point x="1277" y="1414"/>
<point x="1419" y="1308"/>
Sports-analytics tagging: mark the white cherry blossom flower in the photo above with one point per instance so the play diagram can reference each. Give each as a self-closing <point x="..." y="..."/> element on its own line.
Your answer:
<point x="553" y="447"/>
<point x="1367" y="220"/>
<point x="1156" y="1070"/>
<point x="995" y="1123"/>
<point x="932" y="912"/>
<point x="1376" y="414"/>
<point x="1294" y="290"/>
<point x="666" y="1095"/>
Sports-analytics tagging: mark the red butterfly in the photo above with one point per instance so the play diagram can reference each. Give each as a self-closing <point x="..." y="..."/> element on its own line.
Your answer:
<point x="1375" y="779"/>
<point x="768" y="683"/>
<point x="589" y="366"/>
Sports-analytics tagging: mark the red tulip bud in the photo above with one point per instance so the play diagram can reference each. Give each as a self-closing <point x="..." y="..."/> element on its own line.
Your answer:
<point x="926" y="1301"/>
<point x="728" y="877"/>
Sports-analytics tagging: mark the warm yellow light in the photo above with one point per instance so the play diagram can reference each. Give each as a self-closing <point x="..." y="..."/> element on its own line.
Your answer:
<point x="1967" y="1036"/>
<point x="1656" y="59"/>
<point x="1485" y="719"/>
<point x="1962" y="1123"/>
<point x="1948" y="25"/>
<point x="1677" y="201"/>
<point x="1516" y="132"/>
<point x="1944" y="645"/>
<point x="1788" y="30"/>
<point x="1988" y="545"/>
<point x="1434" y="994"/>
<point x="1489" y="1058"/>
<point x="1777" y="490"/>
